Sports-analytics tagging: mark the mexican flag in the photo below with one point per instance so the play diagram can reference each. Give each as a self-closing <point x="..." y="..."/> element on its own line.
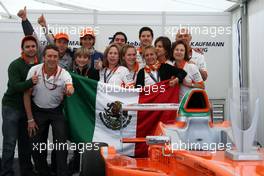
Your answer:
<point x="93" y="116"/>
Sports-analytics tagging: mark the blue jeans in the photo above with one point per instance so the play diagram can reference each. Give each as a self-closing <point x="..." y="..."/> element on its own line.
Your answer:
<point x="14" y="128"/>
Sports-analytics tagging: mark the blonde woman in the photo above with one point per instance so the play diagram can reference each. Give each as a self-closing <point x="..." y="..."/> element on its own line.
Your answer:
<point x="155" y="72"/>
<point x="113" y="73"/>
<point x="129" y="60"/>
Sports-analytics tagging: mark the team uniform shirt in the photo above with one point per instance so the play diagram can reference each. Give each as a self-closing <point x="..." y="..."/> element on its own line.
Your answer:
<point x="140" y="59"/>
<point x="198" y="59"/>
<point x="172" y="63"/>
<point x="119" y="76"/>
<point x="133" y="73"/>
<point x="133" y="76"/>
<point x="151" y="78"/>
<point x="49" y="91"/>
<point x="193" y="76"/>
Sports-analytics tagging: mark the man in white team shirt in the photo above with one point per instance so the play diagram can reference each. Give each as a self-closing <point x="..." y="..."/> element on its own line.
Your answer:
<point x="196" y="57"/>
<point x="45" y="109"/>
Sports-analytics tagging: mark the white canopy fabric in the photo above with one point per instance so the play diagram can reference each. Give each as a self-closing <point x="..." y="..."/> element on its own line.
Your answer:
<point x="155" y="5"/>
<point x="119" y="5"/>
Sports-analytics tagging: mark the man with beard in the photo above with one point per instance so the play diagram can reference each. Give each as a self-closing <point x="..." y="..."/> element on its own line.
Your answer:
<point x="13" y="113"/>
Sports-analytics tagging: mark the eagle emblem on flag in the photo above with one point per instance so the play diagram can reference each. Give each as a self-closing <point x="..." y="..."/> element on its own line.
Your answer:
<point x="113" y="117"/>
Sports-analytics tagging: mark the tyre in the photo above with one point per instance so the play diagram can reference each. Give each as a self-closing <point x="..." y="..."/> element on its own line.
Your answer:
<point x="92" y="162"/>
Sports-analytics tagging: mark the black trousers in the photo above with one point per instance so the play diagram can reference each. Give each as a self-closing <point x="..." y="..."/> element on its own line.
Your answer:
<point x="44" y="118"/>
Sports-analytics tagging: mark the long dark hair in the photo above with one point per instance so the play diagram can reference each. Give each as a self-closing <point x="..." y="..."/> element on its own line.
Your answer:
<point x="118" y="33"/>
<point x="166" y="43"/>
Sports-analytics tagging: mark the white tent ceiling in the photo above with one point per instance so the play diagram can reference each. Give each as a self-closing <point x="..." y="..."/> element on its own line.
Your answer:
<point x="120" y="5"/>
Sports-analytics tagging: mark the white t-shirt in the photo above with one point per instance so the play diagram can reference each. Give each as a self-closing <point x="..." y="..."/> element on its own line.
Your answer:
<point x="133" y="76"/>
<point x="49" y="92"/>
<point x="140" y="60"/>
<point x="199" y="60"/>
<point x="151" y="77"/>
<point x="193" y="76"/>
<point x="119" y="77"/>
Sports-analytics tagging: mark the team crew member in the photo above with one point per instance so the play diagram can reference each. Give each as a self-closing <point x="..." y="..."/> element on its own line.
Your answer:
<point x="13" y="112"/>
<point x="163" y="48"/>
<point x="113" y="73"/>
<point x="119" y="38"/>
<point x="45" y="109"/>
<point x="82" y="64"/>
<point x="129" y="60"/>
<point x="195" y="57"/>
<point x="61" y="40"/>
<point x="155" y="72"/>
<point x="193" y="78"/>
<point x="87" y="40"/>
<point x="145" y="38"/>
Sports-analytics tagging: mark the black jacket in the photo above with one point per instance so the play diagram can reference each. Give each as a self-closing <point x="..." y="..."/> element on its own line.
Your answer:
<point x="166" y="71"/>
<point x="91" y="73"/>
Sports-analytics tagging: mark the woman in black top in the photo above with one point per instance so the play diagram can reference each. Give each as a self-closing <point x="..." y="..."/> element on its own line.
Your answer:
<point x="82" y="64"/>
<point x="163" y="49"/>
<point x="155" y="72"/>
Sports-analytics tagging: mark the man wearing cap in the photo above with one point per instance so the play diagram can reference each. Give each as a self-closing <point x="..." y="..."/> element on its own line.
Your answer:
<point x="87" y="40"/>
<point x="13" y="113"/>
<point x="195" y="57"/>
<point x="61" y="40"/>
<point x="46" y="108"/>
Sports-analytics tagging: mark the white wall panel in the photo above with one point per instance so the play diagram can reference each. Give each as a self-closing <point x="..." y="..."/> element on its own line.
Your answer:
<point x="256" y="56"/>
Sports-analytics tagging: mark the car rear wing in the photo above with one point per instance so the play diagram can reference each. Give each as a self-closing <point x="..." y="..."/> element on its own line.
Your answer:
<point x="150" y="107"/>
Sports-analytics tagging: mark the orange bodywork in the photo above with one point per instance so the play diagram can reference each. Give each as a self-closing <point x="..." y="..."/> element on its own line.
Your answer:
<point x="162" y="161"/>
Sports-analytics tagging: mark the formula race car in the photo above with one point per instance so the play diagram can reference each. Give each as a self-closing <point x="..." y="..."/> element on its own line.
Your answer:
<point x="192" y="145"/>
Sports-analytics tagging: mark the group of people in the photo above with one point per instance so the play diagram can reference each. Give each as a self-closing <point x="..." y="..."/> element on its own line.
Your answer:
<point x="39" y="79"/>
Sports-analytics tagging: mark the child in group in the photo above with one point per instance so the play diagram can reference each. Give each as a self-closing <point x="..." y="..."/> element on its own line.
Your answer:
<point x="82" y="64"/>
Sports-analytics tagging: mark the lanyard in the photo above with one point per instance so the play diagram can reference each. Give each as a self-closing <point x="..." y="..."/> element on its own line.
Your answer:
<point x="54" y="86"/>
<point x="134" y="75"/>
<point x="109" y="75"/>
<point x="153" y="78"/>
